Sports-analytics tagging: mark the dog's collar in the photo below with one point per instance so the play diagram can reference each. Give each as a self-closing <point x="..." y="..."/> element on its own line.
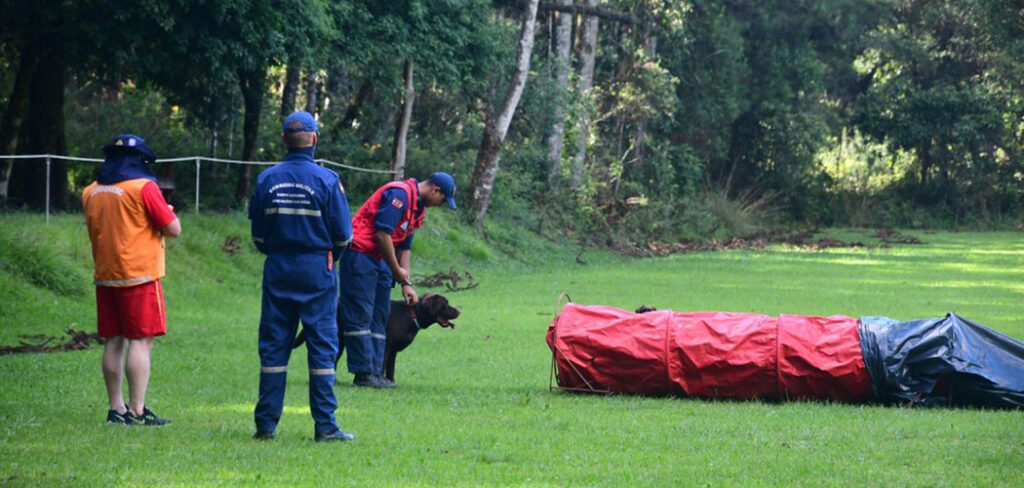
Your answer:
<point x="412" y="314"/>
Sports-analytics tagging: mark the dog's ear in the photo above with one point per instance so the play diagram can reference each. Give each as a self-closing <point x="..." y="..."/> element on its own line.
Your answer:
<point x="434" y="303"/>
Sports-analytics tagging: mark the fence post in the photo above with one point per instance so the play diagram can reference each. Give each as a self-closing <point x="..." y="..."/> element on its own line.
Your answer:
<point x="197" y="186"/>
<point x="47" y="189"/>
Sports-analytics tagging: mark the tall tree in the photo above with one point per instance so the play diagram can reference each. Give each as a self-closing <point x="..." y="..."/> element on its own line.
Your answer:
<point x="496" y="127"/>
<point x="16" y="110"/>
<point x="253" y="83"/>
<point x="588" y="53"/>
<point x="402" y="131"/>
<point x="312" y="91"/>
<point x="447" y="40"/>
<point x="935" y="93"/>
<point x="42" y="34"/>
<point x="204" y="54"/>
<point x="562" y="63"/>
<point x="290" y="89"/>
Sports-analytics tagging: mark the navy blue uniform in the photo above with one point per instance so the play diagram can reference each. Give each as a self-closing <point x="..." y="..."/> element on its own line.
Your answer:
<point x="365" y="300"/>
<point x="301" y="221"/>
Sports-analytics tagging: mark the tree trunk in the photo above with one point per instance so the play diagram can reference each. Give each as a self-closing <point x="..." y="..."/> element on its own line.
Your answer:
<point x="639" y="138"/>
<point x="252" y="84"/>
<point x="291" y="89"/>
<point x="563" y="46"/>
<point x="402" y="131"/>
<point x="336" y="89"/>
<point x="44" y="134"/>
<point x="557" y="6"/>
<point x="355" y="107"/>
<point x="17" y="108"/>
<point x="588" y="48"/>
<point x="312" y="91"/>
<point x="489" y="155"/>
<point x="925" y="155"/>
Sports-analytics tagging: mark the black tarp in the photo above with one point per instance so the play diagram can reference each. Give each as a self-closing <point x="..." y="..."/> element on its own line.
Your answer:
<point x="947" y="361"/>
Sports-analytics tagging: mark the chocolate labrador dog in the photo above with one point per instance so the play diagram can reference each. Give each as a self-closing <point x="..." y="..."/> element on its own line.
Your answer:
<point x="403" y="325"/>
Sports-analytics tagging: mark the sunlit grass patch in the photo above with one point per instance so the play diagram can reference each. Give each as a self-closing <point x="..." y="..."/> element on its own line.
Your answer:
<point x="473" y="406"/>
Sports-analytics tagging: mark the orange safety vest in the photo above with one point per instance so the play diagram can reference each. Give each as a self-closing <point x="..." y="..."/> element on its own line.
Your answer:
<point x="126" y="248"/>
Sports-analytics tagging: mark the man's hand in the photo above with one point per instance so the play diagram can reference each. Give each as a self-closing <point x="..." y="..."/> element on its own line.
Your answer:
<point x="410" y="295"/>
<point x="401" y="276"/>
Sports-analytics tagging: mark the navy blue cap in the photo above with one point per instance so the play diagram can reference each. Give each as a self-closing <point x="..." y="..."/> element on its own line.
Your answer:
<point x="300" y="121"/>
<point x="127" y="143"/>
<point x="447" y="184"/>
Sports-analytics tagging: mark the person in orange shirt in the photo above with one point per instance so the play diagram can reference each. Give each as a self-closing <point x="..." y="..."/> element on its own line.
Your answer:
<point x="128" y="218"/>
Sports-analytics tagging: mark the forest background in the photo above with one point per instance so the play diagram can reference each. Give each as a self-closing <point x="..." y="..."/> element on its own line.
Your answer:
<point x="614" y="122"/>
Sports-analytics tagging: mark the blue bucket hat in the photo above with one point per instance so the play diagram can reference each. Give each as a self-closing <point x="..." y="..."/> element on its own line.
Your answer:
<point x="126" y="157"/>
<point x="300" y="121"/>
<point x="446" y="183"/>
<point x="126" y="143"/>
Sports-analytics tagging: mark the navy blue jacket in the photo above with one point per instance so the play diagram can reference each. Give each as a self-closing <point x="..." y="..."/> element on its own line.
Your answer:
<point x="300" y="207"/>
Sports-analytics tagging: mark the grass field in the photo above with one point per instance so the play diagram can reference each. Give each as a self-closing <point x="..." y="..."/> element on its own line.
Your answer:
<point x="474" y="407"/>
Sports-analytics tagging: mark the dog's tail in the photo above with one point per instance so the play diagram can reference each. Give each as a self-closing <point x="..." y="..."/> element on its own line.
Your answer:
<point x="300" y="339"/>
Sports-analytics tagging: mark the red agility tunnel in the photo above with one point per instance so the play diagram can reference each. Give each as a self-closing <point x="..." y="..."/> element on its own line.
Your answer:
<point x="709" y="354"/>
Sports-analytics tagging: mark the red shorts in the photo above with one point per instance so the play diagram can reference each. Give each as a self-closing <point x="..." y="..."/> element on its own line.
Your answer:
<point x="131" y="311"/>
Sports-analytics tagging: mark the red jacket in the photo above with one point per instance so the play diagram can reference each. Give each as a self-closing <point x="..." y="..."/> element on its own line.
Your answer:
<point x="363" y="227"/>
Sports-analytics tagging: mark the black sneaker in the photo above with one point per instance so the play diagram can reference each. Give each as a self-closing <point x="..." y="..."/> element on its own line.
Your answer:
<point x="117" y="418"/>
<point x="337" y="435"/>
<point x="261" y="435"/>
<point x="147" y="418"/>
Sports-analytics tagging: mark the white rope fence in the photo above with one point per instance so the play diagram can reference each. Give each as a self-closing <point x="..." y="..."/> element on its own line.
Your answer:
<point x="198" y="161"/>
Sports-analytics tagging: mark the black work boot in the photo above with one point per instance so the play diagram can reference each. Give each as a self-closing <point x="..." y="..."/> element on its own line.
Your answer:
<point x="364" y="379"/>
<point x="337" y="435"/>
<point x="263" y="435"/>
<point x="383" y="382"/>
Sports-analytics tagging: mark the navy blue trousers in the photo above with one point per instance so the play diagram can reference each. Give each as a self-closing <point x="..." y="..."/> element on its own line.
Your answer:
<point x="364" y="306"/>
<point x="298" y="287"/>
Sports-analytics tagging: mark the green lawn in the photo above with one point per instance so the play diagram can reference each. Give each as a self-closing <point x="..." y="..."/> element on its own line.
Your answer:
<point x="473" y="407"/>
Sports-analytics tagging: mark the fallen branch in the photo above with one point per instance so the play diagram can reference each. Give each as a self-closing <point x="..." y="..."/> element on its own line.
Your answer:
<point x="43" y="343"/>
<point x="231" y="244"/>
<point x="450" y="280"/>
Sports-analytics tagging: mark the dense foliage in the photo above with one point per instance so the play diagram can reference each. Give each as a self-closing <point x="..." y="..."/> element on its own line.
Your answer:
<point x="704" y="118"/>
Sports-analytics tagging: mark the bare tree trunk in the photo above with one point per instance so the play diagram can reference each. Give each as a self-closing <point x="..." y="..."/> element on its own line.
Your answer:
<point x="17" y="109"/>
<point x="291" y="89"/>
<point x="312" y="91"/>
<point x="489" y="155"/>
<point x="925" y="155"/>
<point x="231" y="138"/>
<point x="588" y="48"/>
<point x="402" y="132"/>
<point x="46" y="130"/>
<point x="43" y="132"/>
<point x="252" y="84"/>
<point x="588" y="10"/>
<point x="563" y="46"/>
<point x="639" y="137"/>
<point x="337" y="88"/>
<point x="355" y="107"/>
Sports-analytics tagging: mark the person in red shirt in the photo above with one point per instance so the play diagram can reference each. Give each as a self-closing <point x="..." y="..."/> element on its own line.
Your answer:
<point x="128" y="218"/>
<point x="378" y="259"/>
